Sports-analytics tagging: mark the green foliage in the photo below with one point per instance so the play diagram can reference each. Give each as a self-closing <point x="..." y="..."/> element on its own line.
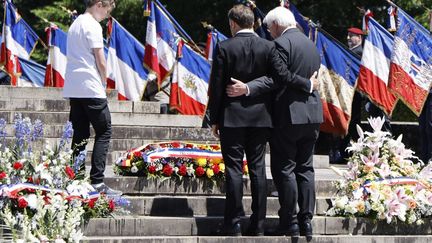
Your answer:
<point x="335" y="16"/>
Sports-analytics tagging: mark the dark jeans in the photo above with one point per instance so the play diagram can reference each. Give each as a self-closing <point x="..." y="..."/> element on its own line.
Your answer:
<point x="94" y="111"/>
<point x="425" y="126"/>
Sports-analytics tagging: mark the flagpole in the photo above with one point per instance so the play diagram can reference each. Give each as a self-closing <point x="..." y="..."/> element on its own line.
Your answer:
<point x="176" y="25"/>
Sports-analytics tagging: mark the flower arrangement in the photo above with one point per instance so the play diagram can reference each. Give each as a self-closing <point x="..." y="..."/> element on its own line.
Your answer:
<point x="40" y="198"/>
<point x="174" y="160"/>
<point x="383" y="180"/>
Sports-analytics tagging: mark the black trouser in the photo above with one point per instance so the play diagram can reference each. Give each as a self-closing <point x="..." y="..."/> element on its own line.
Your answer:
<point x="425" y="126"/>
<point x="94" y="111"/>
<point x="292" y="149"/>
<point x="235" y="142"/>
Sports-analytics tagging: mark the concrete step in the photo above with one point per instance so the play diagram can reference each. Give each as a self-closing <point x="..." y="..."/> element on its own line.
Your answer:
<point x="265" y="239"/>
<point x="188" y="206"/>
<point x="127" y="119"/>
<point x="189" y="186"/>
<point x="137" y="132"/>
<point x="62" y="105"/>
<point x="40" y="93"/>
<point x="212" y="226"/>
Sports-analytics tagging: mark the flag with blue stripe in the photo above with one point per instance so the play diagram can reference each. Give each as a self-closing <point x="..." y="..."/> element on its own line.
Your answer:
<point x="124" y="65"/>
<point x="338" y="74"/>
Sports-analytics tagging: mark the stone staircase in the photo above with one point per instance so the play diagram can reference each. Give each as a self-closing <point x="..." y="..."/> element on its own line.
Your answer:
<point x="191" y="211"/>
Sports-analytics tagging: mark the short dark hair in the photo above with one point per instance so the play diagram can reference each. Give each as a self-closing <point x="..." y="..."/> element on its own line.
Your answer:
<point x="90" y="3"/>
<point x="241" y="15"/>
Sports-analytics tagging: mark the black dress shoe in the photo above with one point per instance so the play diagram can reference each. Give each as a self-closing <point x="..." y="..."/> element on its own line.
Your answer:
<point x="306" y="230"/>
<point x="234" y="230"/>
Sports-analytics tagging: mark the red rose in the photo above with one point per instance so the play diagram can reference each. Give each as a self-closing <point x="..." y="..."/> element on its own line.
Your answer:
<point x="175" y="144"/>
<point x="17" y="166"/>
<point x="22" y="203"/>
<point x="182" y="170"/>
<point x="216" y="169"/>
<point x="3" y="175"/>
<point x="69" y="172"/>
<point x="30" y="190"/>
<point x="189" y="145"/>
<point x="91" y="203"/>
<point x="111" y="205"/>
<point x="152" y="169"/>
<point x="167" y="170"/>
<point x="47" y="200"/>
<point x="30" y="179"/>
<point x="215" y="147"/>
<point x="199" y="171"/>
<point x="137" y="154"/>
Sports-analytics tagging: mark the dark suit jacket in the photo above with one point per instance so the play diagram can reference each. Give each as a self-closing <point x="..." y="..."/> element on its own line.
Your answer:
<point x="292" y="104"/>
<point x="244" y="57"/>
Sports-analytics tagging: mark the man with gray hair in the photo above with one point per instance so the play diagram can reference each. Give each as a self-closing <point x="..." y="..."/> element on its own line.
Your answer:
<point x="296" y="118"/>
<point x="243" y="123"/>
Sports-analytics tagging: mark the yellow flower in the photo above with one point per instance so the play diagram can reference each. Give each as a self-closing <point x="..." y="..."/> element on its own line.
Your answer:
<point x="360" y="207"/>
<point x="216" y="161"/>
<point x="245" y="169"/>
<point x="128" y="162"/>
<point x="202" y="162"/>
<point x="222" y="167"/>
<point x="209" y="173"/>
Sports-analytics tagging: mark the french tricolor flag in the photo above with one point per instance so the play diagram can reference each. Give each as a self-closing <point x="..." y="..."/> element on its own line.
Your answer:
<point x="124" y="65"/>
<point x="374" y="69"/>
<point x="18" y="41"/>
<point x="411" y="63"/>
<point x="56" y="63"/>
<point x="161" y="43"/>
<point x="338" y="73"/>
<point x="213" y="37"/>
<point x="190" y="82"/>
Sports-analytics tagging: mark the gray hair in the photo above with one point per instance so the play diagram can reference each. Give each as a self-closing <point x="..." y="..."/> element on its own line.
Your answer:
<point x="280" y="16"/>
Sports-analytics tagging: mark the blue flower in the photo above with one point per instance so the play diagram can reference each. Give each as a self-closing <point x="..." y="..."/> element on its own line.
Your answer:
<point x="121" y="201"/>
<point x="79" y="160"/>
<point x="67" y="134"/>
<point x="38" y="130"/>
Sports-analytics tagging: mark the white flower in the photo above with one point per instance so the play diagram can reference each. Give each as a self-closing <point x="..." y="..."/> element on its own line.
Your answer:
<point x="351" y="208"/>
<point x="134" y="169"/>
<point x="341" y="202"/>
<point x="358" y="193"/>
<point x="32" y="201"/>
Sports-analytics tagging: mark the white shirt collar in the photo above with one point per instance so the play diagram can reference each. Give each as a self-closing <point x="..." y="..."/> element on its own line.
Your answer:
<point x="245" y="31"/>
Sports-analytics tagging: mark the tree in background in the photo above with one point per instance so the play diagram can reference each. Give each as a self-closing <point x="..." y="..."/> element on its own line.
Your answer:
<point x="335" y="16"/>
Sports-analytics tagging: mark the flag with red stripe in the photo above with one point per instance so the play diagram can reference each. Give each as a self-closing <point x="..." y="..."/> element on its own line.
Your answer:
<point x="56" y="63"/>
<point x="411" y="63"/>
<point x="374" y="69"/>
<point x="18" y="41"/>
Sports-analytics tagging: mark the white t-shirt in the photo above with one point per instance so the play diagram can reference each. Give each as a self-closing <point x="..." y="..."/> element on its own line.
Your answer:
<point x="82" y="78"/>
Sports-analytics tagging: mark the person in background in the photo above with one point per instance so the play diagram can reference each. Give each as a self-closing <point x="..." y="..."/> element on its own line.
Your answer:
<point x="425" y="127"/>
<point x="85" y="86"/>
<point x="338" y="153"/>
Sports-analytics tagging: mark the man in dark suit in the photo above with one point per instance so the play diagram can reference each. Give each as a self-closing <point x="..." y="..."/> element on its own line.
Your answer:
<point x="296" y="116"/>
<point x="243" y="123"/>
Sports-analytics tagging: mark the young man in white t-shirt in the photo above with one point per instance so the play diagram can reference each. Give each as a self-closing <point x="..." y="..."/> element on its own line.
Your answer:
<point x="85" y="82"/>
